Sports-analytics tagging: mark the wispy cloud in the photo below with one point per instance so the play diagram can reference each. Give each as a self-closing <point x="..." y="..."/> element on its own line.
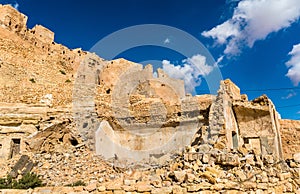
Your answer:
<point x="190" y="71"/>
<point x="294" y="65"/>
<point x="289" y="95"/>
<point x="219" y="60"/>
<point x="253" y="20"/>
<point x="16" y="5"/>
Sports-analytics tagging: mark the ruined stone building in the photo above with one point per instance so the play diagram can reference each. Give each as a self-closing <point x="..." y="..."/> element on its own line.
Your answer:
<point x="229" y="118"/>
<point x="52" y="96"/>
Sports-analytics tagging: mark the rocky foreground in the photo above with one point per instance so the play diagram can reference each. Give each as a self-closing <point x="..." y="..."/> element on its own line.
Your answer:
<point x="200" y="169"/>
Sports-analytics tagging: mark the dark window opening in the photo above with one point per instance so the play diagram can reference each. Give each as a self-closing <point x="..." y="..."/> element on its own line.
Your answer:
<point x="16" y="145"/>
<point x="246" y="141"/>
<point x="0" y="146"/>
<point x="108" y="91"/>
<point x="179" y="114"/>
<point x="163" y="84"/>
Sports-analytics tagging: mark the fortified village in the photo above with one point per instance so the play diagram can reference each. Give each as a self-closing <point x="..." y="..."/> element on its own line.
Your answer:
<point x="70" y="116"/>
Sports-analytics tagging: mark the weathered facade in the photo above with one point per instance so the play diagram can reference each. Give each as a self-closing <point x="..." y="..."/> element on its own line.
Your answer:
<point x="239" y="122"/>
<point x="137" y="113"/>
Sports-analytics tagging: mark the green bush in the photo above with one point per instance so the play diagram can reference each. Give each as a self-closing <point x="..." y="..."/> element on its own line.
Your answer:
<point x="77" y="183"/>
<point x="29" y="180"/>
<point x="6" y="183"/>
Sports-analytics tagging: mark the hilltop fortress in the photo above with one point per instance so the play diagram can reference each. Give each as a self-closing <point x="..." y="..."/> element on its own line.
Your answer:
<point x="60" y="108"/>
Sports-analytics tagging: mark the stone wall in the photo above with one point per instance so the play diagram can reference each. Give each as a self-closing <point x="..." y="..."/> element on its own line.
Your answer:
<point x="290" y="133"/>
<point x="32" y="65"/>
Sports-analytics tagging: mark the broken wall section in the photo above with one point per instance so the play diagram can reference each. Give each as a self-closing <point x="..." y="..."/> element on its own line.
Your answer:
<point x="236" y="122"/>
<point x="223" y="129"/>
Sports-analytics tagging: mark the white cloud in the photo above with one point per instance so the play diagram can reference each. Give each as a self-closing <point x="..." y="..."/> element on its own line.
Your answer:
<point x="254" y="20"/>
<point x="190" y="71"/>
<point x="222" y="32"/>
<point x="167" y="41"/>
<point x="294" y="65"/>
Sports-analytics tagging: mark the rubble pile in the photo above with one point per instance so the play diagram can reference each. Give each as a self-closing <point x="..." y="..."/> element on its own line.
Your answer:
<point x="198" y="169"/>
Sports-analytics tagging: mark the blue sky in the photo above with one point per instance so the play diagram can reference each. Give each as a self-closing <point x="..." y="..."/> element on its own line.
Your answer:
<point x="254" y="41"/>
